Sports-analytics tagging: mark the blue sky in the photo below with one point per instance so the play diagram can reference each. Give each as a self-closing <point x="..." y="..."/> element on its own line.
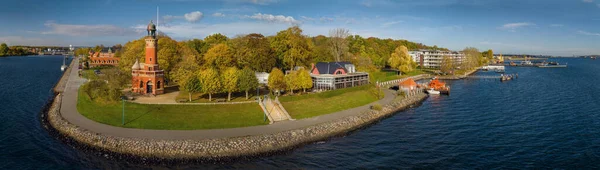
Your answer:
<point x="553" y="27"/>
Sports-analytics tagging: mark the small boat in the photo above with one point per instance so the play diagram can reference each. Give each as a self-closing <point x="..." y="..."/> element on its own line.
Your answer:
<point x="552" y="65"/>
<point x="433" y="91"/>
<point x="64" y="66"/>
<point x="438" y="87"/>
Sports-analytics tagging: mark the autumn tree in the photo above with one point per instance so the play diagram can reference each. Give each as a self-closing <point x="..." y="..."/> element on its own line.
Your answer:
<point x="229" y="79"/>
<point x="210" y="81"/>
<point x="447" y="65"/>
<point x="304" y="79"/>
<point x="247" y="80"/>
<point x="338" y="44"/>
<point x="472" y="58"/>
<point x="291" y="81"/>
<point x="291" y="47"/>
<point x="400" y="60"/>
<point x="276" y="80"/>
<point x="254" y="51"/>
<point x="219" y="56"/>
<point x="132" y="50"/>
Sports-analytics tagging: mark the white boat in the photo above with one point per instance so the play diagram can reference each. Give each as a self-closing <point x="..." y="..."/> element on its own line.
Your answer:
<point x="432" y="91"/>
<point x="64" y="66"/>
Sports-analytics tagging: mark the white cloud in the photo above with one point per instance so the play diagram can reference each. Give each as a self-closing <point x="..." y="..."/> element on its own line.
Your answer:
<point x="218" y="14"/>
<point x="274" y="18"/>
<point x="588" y="1"/>
<point x="262" y="2"/>
<point x="588" y="33"/>
<point x="326" y="19"/>
<point x="388" y="24"/>
<point x="86" y="30"/>
<point x="513" y="26"/>
<point x="193" y="16"/>
<point x="305" y="18"/>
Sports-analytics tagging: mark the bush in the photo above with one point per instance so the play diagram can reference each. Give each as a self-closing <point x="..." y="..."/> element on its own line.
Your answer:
<point x="377" y="107"/>
<point x="401" y="93"/>
<point x="98" y="90"/>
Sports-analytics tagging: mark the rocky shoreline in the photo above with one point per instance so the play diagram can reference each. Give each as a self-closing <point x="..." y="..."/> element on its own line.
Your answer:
<point x="211" y="149"/>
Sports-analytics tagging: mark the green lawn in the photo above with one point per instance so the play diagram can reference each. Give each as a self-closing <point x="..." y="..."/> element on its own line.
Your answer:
<point x="310" y="105"/>
<point x="385" y="75"/>
<point x="172" y="117"/>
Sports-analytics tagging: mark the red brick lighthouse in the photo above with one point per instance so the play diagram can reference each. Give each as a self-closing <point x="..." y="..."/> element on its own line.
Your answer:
<point x="148" y="78"/>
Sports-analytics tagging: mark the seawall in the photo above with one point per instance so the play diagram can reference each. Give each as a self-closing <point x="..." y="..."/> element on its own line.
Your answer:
<point x="215" y="148"/>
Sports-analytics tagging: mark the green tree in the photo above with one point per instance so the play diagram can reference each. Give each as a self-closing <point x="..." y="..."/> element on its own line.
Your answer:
<point x="304" y="79"/>
<point x="219" y="56"/>
<point x="210" y="81"/>
<point x="3" y="49"/>
<point x="187" y="80"/>
<point x="254" y="51"/>
<point x="291" y="47"/>
<point x="321" y="51"/>
<point x="211" y="41"/>
<point x="247" y="80"/>
<point x="400" y="60"/>
<point x="276" y="80"/>
<point x="229" y="78"/>
<point x="168" y="56"/>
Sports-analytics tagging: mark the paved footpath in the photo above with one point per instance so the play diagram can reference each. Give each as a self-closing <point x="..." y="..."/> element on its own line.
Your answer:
<point x="69" y="112"/>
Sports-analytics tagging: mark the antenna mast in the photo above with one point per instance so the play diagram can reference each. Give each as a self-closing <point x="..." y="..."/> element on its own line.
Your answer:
<point x="157" y="17"/>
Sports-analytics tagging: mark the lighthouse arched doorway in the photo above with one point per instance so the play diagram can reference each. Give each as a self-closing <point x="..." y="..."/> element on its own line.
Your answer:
<point x="149" y="87"/>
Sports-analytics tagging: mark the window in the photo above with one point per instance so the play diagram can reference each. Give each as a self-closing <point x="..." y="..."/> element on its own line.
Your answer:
<point x="141" y="84"/>
<point x="158" y="85"/>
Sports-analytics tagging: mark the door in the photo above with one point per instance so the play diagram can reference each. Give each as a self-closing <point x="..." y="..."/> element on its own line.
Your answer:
<point x="149" y="88"/>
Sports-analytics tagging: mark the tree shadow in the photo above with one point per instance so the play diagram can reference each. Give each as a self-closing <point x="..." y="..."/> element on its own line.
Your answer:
<point x="153" y="108"/>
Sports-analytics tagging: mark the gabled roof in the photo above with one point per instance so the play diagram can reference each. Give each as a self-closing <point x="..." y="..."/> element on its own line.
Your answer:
<point x="330" y="67"/>
<point x="408" y="83"/>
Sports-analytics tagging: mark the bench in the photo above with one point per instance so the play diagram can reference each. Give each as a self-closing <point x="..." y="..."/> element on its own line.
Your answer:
<point x="220" y="100"/>
<point x="182" y="100"/>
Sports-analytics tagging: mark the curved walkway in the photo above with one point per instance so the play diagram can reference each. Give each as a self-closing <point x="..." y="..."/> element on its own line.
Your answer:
<point x="69" y="112"/>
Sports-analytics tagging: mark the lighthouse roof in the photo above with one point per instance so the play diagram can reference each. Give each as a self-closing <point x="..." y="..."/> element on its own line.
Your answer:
<point x="136" y="65"/>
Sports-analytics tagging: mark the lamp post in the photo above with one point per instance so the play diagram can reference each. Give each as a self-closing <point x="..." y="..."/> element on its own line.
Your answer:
<point x="123" y="113"/>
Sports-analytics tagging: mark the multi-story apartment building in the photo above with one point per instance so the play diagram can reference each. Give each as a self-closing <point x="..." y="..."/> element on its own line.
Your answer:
<point x="433" y="58"/>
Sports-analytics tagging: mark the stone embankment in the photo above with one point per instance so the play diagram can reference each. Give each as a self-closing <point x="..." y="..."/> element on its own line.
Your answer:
<point x="224" y="147"/>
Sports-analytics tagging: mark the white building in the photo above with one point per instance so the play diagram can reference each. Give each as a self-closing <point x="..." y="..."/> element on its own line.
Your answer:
<point x="433" y="58"/>
<point x="263" y="77"/>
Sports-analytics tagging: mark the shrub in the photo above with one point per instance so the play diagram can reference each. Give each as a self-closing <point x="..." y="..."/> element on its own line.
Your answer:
<point x="376" y="106"/>
<point x="401" y="93"/>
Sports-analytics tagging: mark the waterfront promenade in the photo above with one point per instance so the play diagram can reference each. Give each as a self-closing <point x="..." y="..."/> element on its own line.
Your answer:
<point x="68" y="110"/>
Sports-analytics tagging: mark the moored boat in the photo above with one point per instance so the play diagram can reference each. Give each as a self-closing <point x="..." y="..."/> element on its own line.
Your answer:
<point x="433" y="91"/>
<point x="438" y="87"/>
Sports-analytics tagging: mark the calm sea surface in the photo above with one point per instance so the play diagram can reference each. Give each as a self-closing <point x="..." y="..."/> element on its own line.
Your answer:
<point x="547" y="118"/>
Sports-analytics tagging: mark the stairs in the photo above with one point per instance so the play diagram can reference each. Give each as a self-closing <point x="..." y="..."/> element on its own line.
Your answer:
<point x="275" y="110"/>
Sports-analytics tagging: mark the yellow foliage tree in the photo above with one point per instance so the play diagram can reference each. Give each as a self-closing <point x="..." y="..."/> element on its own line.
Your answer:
<point x="210" y="81"/>
<point x="401" y="61"/>
<point x="229" y="78"/>
<point x="276" y="80"/>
